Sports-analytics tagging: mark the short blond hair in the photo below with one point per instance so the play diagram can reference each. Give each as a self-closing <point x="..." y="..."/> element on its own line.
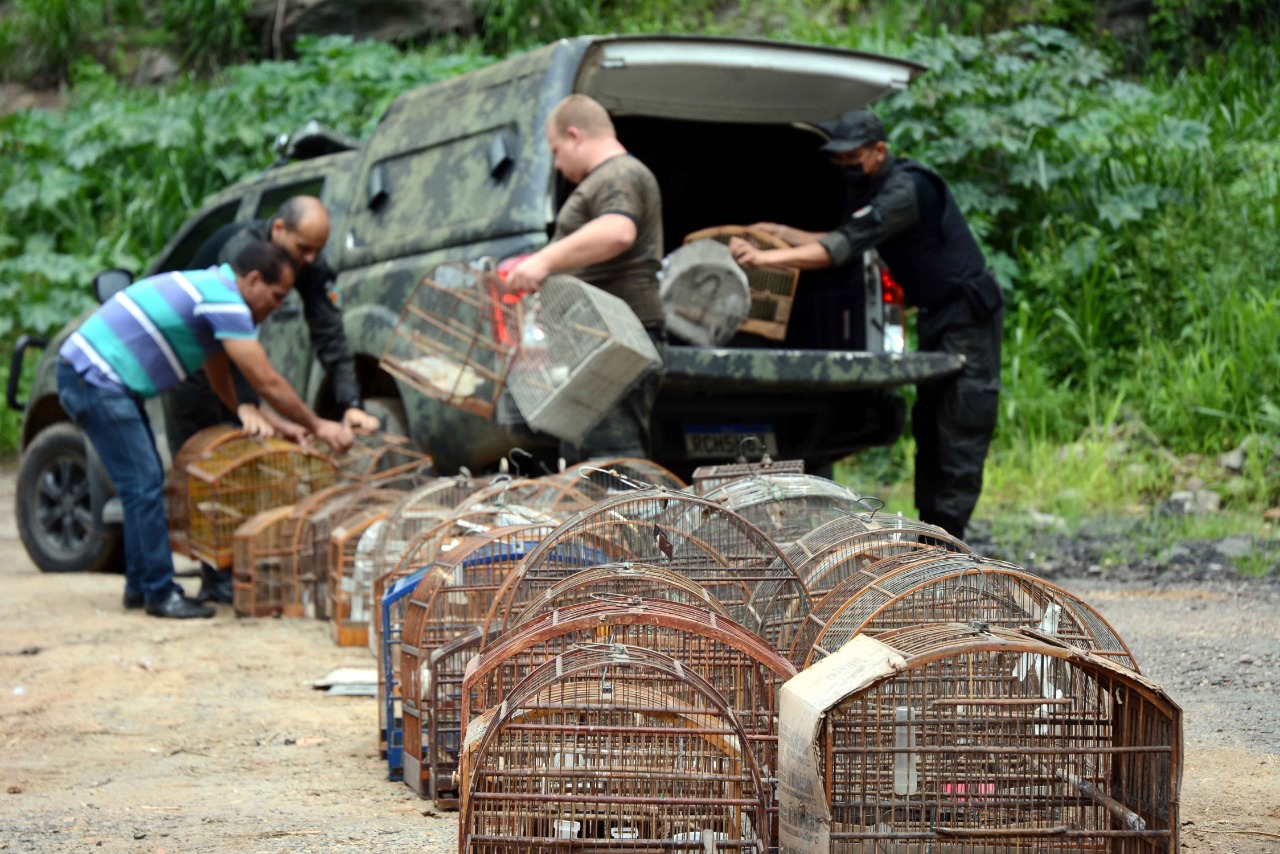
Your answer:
<point x="584" y="113"/>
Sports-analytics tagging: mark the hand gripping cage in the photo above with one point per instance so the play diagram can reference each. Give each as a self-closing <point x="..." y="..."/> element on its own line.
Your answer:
<point x="773" y="289"/>
<point x="452" y="598"/>
<point x="731" y="558"/>
<point x="836" y="550"/>
<point x="221" y="478"/>
<point x="611" y="748"/>
<point x="579" y="355"/>
<point x="958" y="738"/>
<point x="787" y="506"/>
<point x="264" y="581"/>
<point x="381" y="457"/>
<point x="456" y="338"/>
<point x="739" y="664"/>
<point x="935" y="586"/>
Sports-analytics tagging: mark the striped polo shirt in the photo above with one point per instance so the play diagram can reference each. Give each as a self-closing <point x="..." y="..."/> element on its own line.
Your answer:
<point x="151" y="335"/>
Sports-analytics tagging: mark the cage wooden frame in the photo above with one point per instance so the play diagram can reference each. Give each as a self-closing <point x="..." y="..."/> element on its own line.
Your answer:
<point x="936" y="586"/>
<point x="313" y="585"/>
<point x="954" y="737"/>
<point x="350" y="545"/>
<point x="787" y="506"/>
<point x="380" y="456"/>
<point x="621" y="748"/>
<point x="264" y="580"/>
<point x="220" y="478"/>
<point x="707" y="478"/>
<point x="773" y="289"/>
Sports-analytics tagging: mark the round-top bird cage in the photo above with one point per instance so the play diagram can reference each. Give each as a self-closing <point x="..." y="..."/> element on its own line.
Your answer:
<point x="831" y="553"/>
<point x="731" y="558"/>
<point x="264" y="581"/>
<point x="611" y="748"/>
<point x="554" y="497"/>
<point x="351" y="545"/>
<point x="955" y="737"/>
<point x="604" y="477"/>
<point x="773" y="289"/>
<point x="707" y="478"/>
<point x="935" y="586"/>
<point x="220" y="478"/>
<point x="787" y="506"/>
<point x="452" y="598"/>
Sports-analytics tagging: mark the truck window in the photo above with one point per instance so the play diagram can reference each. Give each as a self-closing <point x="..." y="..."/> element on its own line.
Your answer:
<point x="273" y="197"/>
<point x="194" y="236"/>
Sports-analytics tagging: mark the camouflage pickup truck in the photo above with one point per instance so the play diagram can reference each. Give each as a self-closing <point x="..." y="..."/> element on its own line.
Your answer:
<point x="461" y="170"/>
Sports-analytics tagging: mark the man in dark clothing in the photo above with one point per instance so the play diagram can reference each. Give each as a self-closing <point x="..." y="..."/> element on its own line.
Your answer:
<point x="301" y="229"/>
<point x="907" y="213"/>
<point x="608" y="234"/>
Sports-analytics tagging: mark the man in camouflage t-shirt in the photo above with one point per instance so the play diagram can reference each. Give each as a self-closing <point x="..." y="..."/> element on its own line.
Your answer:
<point x="609" y="234"/>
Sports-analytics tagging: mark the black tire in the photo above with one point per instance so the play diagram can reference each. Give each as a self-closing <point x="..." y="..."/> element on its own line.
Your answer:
<point x="390" y="411"/>
<point x="54" y="509"/>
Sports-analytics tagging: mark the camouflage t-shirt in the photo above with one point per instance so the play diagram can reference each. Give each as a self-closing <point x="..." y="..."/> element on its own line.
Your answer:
<point x="621" y="185"/>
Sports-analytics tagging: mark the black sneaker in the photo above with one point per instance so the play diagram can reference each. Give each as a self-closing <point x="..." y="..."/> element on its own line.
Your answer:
<point x="215" y="586"/>
<point x="178" y="607"/>
<point x="134" y="601"/>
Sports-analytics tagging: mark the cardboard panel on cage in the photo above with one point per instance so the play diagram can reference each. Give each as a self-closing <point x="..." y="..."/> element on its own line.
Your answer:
<point x="456" y="338"/>
<point x="773" y="289"/>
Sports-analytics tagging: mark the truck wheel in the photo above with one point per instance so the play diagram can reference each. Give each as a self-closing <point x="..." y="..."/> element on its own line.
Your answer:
<point x="390" y="411"/>
<point x="54" y="510"/>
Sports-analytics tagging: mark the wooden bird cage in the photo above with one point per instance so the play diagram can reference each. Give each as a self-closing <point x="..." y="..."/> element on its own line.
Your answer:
<point x="738" y="663"/>
<point x="737" y="563"/>
<point x="556" y="497"/>
<point x="390" y="719"/>
<point x="452" y="598"/>
<point x="351" y="546"/>
<point x="456" y="338"/>
<point x="580" y="356"/>
<point x="787" y="506"/>
<point x="382" y="457"/>
<point x="704" y="294"/>
<point x="773" y="289"/>
<point x="707" y="478"/>
<point x="611" y="748"/>
<point x="935" y="586"/>
<point x="734" y="560"/>
<point x="264" y="581"/>
<point x="836" y="550"/>
<point x="958" y="738"/>
<point x="221" y="478"/>
<point x="604" y="477"/>
<point x="317" y="521"/>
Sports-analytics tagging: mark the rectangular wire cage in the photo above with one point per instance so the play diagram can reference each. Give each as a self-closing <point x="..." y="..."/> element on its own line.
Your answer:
<point x="390" y="718"/>
<point x="264" y="580"/>
<point x="583" y="353"/>
<point x="221" y="478"/>
<point x="950" y="738"/>
<point x="455" y="339"/>
<point x="707" y="478"/>
<point x="773" y="289"/>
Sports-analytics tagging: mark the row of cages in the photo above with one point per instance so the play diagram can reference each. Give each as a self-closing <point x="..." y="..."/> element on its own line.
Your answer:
<point x="607" y="658"/>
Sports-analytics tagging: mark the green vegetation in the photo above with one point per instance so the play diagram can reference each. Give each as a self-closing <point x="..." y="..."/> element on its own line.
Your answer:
<point x="1129" y="216"/>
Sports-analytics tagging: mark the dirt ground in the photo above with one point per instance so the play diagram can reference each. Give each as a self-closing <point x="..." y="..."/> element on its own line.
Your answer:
<point x="120" y="732"/>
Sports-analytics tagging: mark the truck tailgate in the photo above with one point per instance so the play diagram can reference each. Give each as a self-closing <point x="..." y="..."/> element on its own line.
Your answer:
<point x="764" y="371"/>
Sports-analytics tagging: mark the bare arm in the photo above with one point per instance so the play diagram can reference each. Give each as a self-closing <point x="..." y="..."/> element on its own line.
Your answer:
<point x="808" y="256"/>
<point x="788" y="234"/>
<point x="604" y="238"/>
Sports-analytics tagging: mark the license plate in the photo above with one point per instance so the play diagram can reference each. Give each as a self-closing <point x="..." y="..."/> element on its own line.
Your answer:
<point x="725" y="441"/>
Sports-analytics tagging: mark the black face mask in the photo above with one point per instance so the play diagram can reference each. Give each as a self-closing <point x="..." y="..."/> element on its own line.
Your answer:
<point x="855" y="179"/>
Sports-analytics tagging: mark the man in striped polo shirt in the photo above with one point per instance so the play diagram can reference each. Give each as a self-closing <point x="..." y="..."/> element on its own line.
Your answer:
<point x="146" y="339"/>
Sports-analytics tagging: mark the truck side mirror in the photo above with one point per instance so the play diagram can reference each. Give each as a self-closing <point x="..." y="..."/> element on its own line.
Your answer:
<point x="108" y="283"/>
<point x="377" y="189"/>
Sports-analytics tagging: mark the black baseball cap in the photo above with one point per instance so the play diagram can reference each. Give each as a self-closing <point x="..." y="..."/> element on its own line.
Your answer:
<point x="854" y="130"/>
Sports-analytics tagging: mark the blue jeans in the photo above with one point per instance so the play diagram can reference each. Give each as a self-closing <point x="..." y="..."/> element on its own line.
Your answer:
<point x="116" y="424"/>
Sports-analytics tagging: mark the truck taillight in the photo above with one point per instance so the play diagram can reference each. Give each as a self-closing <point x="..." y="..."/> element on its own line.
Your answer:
<point x="895" y="314"/>
<point x="890" y="290"/>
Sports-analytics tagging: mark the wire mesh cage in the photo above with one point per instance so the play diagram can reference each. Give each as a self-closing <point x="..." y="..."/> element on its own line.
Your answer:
<point x="390" y="719"/>
<point x="351" y="568"/>
<point x="581" y="351"/>
<point x="736" y="662"/>
<point x="453" y="597"/>
<point x="603" y="477"/>
<point x="773" y="289"/>
<point x="555" y="496"/>
<point x="611" y="748"/>
<point x="707" y="478"/>
<point x="935" y="586"/>
<point x="317" y="520"/>
<point x="704" y="293"/>
<point x="787" y="506"/>
<point x="381" y="457"/>
<point x="264" y="580"/>
<point x="420" y="510"/>
<point x="221" y="478"/>
<point x="456" y="338"/>
<point x="732" y="559"/>
<point x="837" y="549"/>
<point x="952" y="737"/>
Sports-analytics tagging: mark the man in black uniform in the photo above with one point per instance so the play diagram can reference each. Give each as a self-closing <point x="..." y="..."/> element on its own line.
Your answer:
<point x="907" y="213"/>
<point x="301" y="228"/>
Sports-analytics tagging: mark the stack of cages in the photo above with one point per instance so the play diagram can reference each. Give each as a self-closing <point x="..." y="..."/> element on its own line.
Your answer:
<point x="315" y="528"/>
<point x="264" y="580"/>
<point x="610" y="747"/>
<point x="773" y="289"/>
<point x="935" y="586"/>
<point x="707" y="478"/>
<point x="312" y="589"/>
<point x="450" y="602"/>
<point x="732" y="559"/>
<point x="787" y="506"/>
<point x="221" y="478"/>
<point x="351" y="548"/>
<point x="738" y="663"/>
<point x="581" y="351"/>
<point x="963" y="738"/>
<point x="456" y="338"/>
<point x="842" y="547"/>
